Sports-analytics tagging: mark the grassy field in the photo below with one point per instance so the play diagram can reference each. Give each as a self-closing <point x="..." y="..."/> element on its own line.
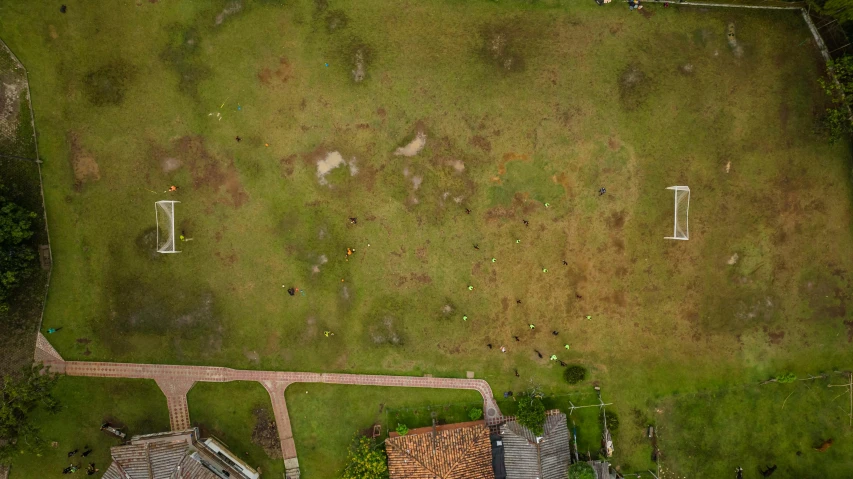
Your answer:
<point x="522" y="105"/>
<point x="243" y="422"/>
<point x="136" y="406"/>
<point x="708" y="434"/>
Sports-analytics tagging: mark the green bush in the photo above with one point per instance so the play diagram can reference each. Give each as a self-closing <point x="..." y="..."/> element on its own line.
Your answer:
<point x="581" y="470"/>
<point x="836" y="123"/>
<point x="402" y="429"/>
<point x="475" y="414"/>
<point x="18" y="397"/>
<point x="365" y="460"/>
<point x="786" y="378"/>
<point x="574" y="374"/>
<point x="612" y="420"/>
<point x="531" y="413"/>
<point x="18" y="259"/>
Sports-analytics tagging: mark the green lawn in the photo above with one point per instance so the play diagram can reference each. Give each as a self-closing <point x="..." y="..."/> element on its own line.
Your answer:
<point x="522" y="104"/>
<point x="234" y="421"/>
<point x="709" y="434"/>
<point x="325" y="417"/>
<point x="137" y="406"/>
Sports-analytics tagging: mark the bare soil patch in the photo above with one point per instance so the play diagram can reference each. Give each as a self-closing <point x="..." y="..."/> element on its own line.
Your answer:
<point x="83" y="164"/>
<point x="208" y="171"/>
<point x="265" y="433"/>
<point x="413" y="147"/>
<point x="279" y="76"/>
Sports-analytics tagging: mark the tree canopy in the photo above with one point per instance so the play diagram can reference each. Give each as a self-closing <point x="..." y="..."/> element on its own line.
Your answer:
<point x="365" y="460"/>
<point x="18" y="397"/>
<point x="531" y="413"/>
<point x="581" y="470"/>
<point x="17" y="256"/>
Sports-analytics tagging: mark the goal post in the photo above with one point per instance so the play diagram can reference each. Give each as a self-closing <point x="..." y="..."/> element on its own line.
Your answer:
<point x="680" y="229"/>
<point x="164" y="213"/>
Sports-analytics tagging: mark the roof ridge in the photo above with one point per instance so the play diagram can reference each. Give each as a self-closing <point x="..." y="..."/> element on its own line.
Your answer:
<point x="463" y="456"/>
<point x="415" y="459"/>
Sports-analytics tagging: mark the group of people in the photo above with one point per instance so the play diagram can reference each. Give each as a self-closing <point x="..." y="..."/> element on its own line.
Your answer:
<point x="72" y="468"/>
<point x="632" y="4"/>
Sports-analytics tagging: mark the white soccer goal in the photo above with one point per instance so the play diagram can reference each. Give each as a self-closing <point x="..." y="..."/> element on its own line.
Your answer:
<point x="164" y="212"/>
<point x="682" y="208"/>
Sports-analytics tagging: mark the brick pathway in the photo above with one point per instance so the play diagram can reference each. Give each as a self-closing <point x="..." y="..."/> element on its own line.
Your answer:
<point x="176" y="381"/>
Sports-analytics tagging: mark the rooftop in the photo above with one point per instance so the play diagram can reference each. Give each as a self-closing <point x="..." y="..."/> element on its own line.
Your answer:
<point x="527" y="456"/>
<point x="454" y="451"/>
<point x="173" y="454"/>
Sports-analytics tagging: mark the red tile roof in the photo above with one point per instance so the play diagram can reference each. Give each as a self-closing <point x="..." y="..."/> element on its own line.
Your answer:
<point x="458" y="451"/>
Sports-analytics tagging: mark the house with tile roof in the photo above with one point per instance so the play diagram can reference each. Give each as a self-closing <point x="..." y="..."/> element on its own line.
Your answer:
<point x="176" y="454"/>
<point x="527" y="456"/>
<point x="453" y="451"/>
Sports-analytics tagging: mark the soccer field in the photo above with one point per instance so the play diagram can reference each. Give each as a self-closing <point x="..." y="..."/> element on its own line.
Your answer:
<point x="470" y="141"/>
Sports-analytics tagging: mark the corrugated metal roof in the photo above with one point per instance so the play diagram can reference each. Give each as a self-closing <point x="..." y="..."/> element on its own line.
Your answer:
<point x="529" y="457"/>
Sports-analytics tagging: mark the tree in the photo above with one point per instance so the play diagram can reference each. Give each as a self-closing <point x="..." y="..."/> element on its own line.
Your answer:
<point x="612" y="420"/>
<point x="475" y="414"/>
<point x="837" y="119"/>
<point x="842" y="10"/>
<point x="574" y="374"/>
<point x="402" y="429"/>
<point x="365" y="460"/>
<point x="531" y="412"/>
<point x="581" y="470"/>
<point x="18" y="397"/>
<point x="17" y="256"/>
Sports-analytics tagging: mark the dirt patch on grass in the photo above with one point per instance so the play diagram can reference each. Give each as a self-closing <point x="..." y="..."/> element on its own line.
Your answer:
<point x="386" y="331"/>
<point x="287" y="165"/>
<point x="503" y="45"/>
<point x="83" y="164"/>
<point x="170" y="164"/>
<point x="207" y="171"/>
<point x="265" y="433"/>
<point x="229" y="10"/>
<point x="481" y="143"/>
<point x="107" y="85"/>
<point x="633" y="87"/>
<point x="329" y="162"/>
<point x="279" y="76"/>
<point x="413" y="147"/>
<point x="336" y="20"/>
<point x="146" y="244"/>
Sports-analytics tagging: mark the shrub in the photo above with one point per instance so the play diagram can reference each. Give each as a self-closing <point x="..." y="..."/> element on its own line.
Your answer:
<point x="581" y="470"/>
<point x="18" y="259"/>
<point x="531" y="413"/>
<point x="574" y="374"/>
<point x="365" y="461"/>
<point x="475" y="414"/>
<point x="837" y="121"/>
<point x="786" y="378"/>
<point x="402" y="429"/>
<point x="612" y="420"/>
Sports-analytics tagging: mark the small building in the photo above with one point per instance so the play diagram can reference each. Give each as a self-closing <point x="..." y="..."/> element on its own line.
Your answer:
<point x="453" y="451"/>
<point x="527" y="456"/>
<point x="176" y="454"/>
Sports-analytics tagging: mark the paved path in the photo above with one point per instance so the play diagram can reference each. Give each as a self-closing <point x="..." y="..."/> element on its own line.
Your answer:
<point x="176" y="381"/>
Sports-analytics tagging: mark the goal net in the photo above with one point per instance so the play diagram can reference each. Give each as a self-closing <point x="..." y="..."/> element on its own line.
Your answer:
<point x="682" y="207"/>
<point x="164" y="212"/>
